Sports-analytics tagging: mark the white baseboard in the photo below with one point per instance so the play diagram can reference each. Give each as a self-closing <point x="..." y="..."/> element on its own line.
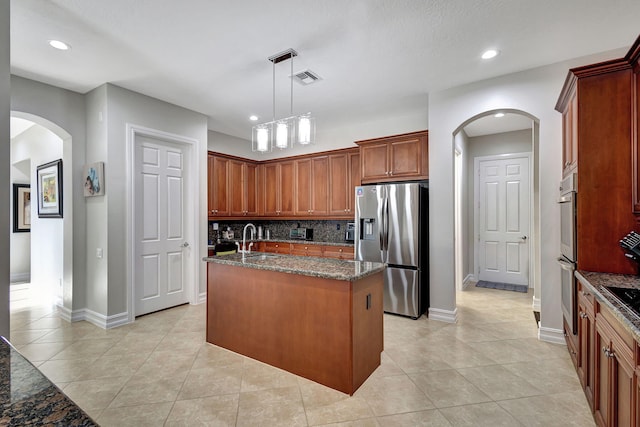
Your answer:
<point x="468" y="280"/>
<point x="535" y="304"/>
<point x="554" y="336"/>
<point x="202" y="297"/>
<point x="100" y="320"/>
<point x="19" y="277"/>
<point x="447" y="316"/>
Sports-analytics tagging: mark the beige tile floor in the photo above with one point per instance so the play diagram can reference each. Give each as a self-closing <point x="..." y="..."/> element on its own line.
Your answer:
<point x="489" y="369"/>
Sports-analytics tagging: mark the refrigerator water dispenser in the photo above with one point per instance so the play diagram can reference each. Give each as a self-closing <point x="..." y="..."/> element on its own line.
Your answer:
<point x="367" y="228"/>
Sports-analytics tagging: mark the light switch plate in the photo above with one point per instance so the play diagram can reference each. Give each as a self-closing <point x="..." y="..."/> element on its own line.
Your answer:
<point x="98" y="252"/>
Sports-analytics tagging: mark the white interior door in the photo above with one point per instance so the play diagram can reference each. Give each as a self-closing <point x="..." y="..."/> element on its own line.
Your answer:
<point x="503" y="212"/>
<point x="161" y="248"/>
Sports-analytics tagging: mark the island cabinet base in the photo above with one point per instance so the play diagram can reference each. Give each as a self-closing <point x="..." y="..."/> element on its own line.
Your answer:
<point x="329" y="331"/>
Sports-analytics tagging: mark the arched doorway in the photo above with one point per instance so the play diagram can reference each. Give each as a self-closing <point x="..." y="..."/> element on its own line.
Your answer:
<point x="51" y="239"/>
<point x="493" y="134"/>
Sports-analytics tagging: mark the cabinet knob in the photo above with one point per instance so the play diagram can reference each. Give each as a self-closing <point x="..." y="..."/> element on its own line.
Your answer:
<point x="306" y="247"/>
<point x="583" y="315"/>
<point x="339" y="250"/>
<point x="277" y="246"/>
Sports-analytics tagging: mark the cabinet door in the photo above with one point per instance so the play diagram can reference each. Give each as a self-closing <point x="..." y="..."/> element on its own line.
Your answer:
<point x="570" y="136"/>
<point x="602" y="389"/>
<point x="635" y="151"/>
<point x="355" y="180"/>
<point x="303" y="177"/>
<point x="320" y="186"/>
<point x="622" y="391"/>
<point x="340" y="197"/>
<point x="585" y="363"/>
<point x="374" y="158"/>
<point x="405" y="158"/>
<point x="219" y="187"/>
<point x="210" y="184"/>
<point x="271" y="189"/>
<point x="251" y="188"/>
<point x="338" y="252"/>
<point x="286" y="188"/>
<point x="236" y="187"/>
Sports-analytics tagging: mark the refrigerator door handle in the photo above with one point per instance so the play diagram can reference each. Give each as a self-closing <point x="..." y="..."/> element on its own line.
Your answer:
<point x="386" y="224"/>
<point x="381" y="230"/>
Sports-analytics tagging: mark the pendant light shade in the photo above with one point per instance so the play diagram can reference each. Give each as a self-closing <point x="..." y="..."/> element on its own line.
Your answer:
<point x="306" y="129"/>
<point x="284" y="133"/>
<point x="261" y="136"/>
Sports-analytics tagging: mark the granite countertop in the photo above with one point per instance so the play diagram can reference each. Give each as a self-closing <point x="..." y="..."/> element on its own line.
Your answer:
<point x="306" y="242"/>
<point x="595" y="281"/>
<point x="327" y="268"/>
<point x="28" y="398"/>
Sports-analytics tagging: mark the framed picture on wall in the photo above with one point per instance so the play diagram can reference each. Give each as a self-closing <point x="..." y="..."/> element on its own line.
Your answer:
<point x="21" y="208"/>
<point x="49" y="178"/>
<point x="93" y="180"/>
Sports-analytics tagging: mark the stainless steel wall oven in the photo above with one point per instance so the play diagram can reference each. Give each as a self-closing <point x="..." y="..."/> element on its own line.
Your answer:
<point x="568" y="249"/>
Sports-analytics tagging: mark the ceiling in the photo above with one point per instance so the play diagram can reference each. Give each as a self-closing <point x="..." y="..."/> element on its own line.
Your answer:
<point x="377" y="58"/>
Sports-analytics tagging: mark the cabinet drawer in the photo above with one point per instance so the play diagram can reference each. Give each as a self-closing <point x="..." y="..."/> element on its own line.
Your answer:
<point x="306" y="249"/>
<point x="585" y="295"/>
<point x="277" y="247"/>
<point x="338" y="252"/>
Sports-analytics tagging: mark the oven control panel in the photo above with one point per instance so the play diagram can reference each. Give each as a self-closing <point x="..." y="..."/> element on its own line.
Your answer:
<point x="631" y="244"/>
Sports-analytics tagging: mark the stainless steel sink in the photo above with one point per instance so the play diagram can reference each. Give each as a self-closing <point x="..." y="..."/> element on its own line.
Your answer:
<point x="258" y="256"/>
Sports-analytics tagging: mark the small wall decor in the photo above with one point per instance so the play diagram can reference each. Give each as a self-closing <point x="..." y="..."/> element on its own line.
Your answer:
<point x="21" y="208"/>
<point x="49" y="178"/>
<point x="93" y="179"/>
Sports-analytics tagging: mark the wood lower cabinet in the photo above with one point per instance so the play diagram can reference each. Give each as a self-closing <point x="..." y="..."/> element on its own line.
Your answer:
<point x="614" y="372"/>
<point x="218" y="185"/>
<point x="395" y="158"/>
<point x="586" y="342"/>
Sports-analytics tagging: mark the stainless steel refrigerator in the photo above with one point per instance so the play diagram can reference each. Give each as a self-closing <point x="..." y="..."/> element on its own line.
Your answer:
<point x="392" y="226"/>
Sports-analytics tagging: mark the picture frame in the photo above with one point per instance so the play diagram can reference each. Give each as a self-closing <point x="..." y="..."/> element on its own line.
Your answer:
<point x="21" y="208"/>
<point x="93" y="179"/>
<point x="49" y="177"/>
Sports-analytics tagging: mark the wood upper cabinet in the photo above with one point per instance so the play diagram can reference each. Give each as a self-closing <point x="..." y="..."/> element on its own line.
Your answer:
<point x="395" y="158"/>
<point x="570" y="136"/>
<point x="218" y="176"/>
<point x="344" y="176"/>
<point x="634" y="56"/>
<point x="614" y="373"/>
<point x="278" y="188"/>
<point x="312" y="182"/>
<point x="243" y="184"/>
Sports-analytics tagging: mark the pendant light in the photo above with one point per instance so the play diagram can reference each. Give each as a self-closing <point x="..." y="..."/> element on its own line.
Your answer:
<point x="282" y="133"/>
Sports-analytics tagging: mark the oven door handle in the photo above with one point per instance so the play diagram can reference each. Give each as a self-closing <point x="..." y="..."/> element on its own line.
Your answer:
<point x="565" y="265"/>
<point x="565" y="199"/>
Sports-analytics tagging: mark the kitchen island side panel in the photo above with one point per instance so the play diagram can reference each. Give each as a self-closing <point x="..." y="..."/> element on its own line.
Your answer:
<point x="302" y="324"/>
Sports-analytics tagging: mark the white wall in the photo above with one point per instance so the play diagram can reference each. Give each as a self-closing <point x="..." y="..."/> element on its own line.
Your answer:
<point x="490" y="145"/>
<point x="326" y="139"/>
<point x="20" y="263"/>
<point x="38" y="146"/>
<point x="62" y="111"/>
<point x="5" y="163"/>
<point x="533" y="91"/>
<point x="461" y="144"/>
<point x="125" y="107"/>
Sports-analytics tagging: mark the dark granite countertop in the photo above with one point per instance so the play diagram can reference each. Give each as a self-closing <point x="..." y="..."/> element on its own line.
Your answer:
<point x="327" y="268"/>
<point x="595" y="282"/>
<point x="306" y="242"/>
<point x="28" y="398"/>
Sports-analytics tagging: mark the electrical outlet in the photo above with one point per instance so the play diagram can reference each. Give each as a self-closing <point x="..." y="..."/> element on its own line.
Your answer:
<point x="338" y="227"/>
<point x="98" y="253"/>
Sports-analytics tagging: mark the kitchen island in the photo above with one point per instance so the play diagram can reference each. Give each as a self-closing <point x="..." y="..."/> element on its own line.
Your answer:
<point x="315" y="317"/>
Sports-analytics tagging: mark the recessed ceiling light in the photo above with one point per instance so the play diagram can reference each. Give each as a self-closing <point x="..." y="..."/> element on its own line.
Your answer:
<point x="498" y="115"/>
<point x="491" y="53"/>
<point x="253" y="118"/>
<point x="59" y="45"/>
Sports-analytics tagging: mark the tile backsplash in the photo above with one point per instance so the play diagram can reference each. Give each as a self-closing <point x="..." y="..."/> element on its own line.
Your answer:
<point x="323" y="231"/>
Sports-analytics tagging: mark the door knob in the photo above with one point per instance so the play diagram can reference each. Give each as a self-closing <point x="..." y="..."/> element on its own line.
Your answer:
<point x="185" y="245"/>
<point x="524" y="237"/>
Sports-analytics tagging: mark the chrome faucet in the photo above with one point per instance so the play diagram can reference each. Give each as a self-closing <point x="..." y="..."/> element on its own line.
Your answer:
<point x="244" y="249"/>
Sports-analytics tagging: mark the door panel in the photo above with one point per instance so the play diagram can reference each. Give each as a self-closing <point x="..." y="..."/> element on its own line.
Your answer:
<point x="402" y="222"/>
<point x="159" y="270"/>
<point x="401" y="291"/>
<point x="368" y="243"/>
<point x="503" y="220"/>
